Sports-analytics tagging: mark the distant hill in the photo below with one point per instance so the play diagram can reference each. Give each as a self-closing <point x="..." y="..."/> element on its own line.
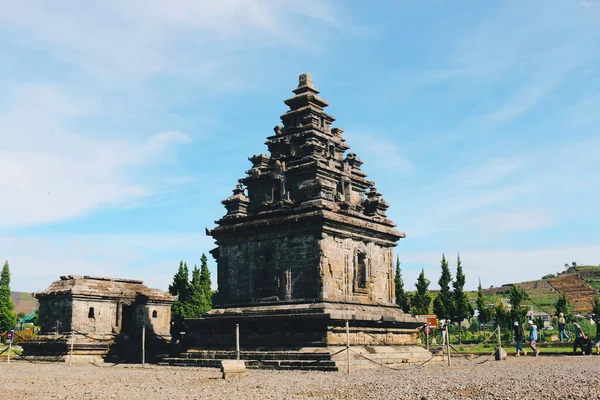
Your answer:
<point x="24" y="302"/>
<point x="579" y="284"/>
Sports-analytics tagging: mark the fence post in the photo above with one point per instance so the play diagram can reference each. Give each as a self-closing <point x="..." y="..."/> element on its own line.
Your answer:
<point x="237" y="340"/>
<point x="448" y="343"/>
<point x="143" y="345"/>
<point x="348" y="346"/>
<point x="71" y="351"/>
<point x="499" y="344"/>
<point x="9" y="349"/>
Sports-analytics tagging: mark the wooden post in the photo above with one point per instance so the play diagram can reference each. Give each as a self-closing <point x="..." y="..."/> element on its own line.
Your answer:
<point x="9" y="349"/>
<point x="237" y="340"/>
<point x="427" y="336"/>
<point x="143" y="345"/>
<point x="71" y="352"/>
<point x="499" y="344"/>
<point x="448" y="344"/>
<point x="348" y="346"/>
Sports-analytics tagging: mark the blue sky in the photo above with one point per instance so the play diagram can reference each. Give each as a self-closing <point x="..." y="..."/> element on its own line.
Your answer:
<point x="124" y="124"/>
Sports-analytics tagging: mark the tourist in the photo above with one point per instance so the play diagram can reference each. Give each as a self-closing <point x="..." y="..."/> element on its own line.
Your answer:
<point x="443" y="324"/>
<point x="562" y="325"/>
<point x="579" y="338"/>
<point x="533" y="337"/>
<point x="518" y="330"/>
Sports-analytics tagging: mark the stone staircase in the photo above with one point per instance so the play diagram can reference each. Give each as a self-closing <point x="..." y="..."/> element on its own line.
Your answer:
<point x="332" y="358"/>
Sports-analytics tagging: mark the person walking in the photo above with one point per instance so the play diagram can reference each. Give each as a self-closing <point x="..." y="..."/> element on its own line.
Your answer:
<point x="579" y="338"/>
<point x="443" y="324"/>
<point x="562" y="325"/>
<point x="518" y="331"/>
<point x="533" y="337"/>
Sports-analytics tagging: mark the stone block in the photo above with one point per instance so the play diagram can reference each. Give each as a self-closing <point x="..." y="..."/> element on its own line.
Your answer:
<point x="499" y="354"/>
<point x="232" y="369"/>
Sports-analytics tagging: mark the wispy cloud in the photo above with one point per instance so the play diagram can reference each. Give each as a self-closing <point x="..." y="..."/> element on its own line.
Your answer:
<point x="496" y="267"/>
<point x="380" y="151"/>
<point x="38" y="260"/>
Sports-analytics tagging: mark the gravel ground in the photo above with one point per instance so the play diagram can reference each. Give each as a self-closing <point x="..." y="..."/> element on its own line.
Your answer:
<point x="561" y="377"/>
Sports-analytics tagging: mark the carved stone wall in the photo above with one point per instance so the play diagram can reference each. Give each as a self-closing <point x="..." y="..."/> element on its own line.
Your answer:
<point x="356" y="271"/>
<point x="267" y="268"/>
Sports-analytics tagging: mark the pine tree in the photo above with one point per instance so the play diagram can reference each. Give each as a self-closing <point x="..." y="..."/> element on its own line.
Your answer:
<point x="462" y="308"/>
<point x="205" y="283"/>
<point x="484" y="312"/>
<point x="421" y="300"/>
<point x="516" y="296"/>
<point x="195" y="302"/>
<point x="8" y="318"/>
<point x="443" y="303"/>
<point x="180" y="287"/>
<point x="562" y="305"/>
<point x="5" y="275"/>
<point x="401" y="296"/>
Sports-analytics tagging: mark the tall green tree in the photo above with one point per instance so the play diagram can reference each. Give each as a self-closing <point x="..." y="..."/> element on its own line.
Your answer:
<point x="443" y="304"/>
<point x="180" y="287"/>
<point x="401" y="296"/>
<point x="502" y="316"/>
<point x="421" y="300"/>
<point x="516" y="296"/>
<point x="484" y="312"/>
<point x="8" y="318"/>
<point x="195" y="304"/>
<point x="562" y="305"/>
<point x="462" y="307"/>
<point x="206" y="283"/>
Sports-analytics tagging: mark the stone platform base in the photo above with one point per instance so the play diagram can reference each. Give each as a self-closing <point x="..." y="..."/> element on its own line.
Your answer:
<point x="302" y="336"/>
<point x="310" y="358"/>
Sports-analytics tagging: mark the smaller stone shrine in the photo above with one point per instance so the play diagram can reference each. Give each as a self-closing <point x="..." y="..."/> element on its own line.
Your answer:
<point x="106" y="316"/>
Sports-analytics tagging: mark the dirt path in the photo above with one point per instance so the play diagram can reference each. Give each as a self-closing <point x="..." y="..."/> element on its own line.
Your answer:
<point x="574" y="377"/>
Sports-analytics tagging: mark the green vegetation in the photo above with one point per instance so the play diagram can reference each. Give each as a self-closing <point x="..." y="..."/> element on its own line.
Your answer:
<point x="443" y="302"/>
<point x="421" y="299"/>
<point x="8" y="318"/>
<point x="195" y="296"/>
<point x="461" y="309"/>
<point x="401" y="295"/>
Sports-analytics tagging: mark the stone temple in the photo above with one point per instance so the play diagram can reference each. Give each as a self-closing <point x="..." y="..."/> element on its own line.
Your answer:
<point x="304" y="246"/>
<point x="106" y="316"/>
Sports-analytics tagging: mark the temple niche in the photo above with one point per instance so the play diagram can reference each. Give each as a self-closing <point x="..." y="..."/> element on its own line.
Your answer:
<point x="305" y="244"/>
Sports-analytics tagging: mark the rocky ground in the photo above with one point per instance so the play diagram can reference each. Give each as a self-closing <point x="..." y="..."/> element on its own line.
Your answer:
<point x="558" y="377"/>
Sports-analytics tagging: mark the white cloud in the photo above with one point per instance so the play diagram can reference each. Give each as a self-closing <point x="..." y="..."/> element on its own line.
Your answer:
<point x="489" y="172"/>
<point x="36" y="261"/>
<point x="51" y="173"/>
<point x="379" y="151"/>
<point x="496" y="267"/>
<point x="504" y="222"/>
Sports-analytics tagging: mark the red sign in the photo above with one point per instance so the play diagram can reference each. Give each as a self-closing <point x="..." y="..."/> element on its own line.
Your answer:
<point x="432" y="321"/>
<point x="10" y="335"/>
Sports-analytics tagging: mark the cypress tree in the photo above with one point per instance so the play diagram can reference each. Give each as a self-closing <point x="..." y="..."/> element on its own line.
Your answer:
<point x="195" y="302"/>
<point x="462" y="308"/>
<point x="443" y="303"/>
<point x="421" y="300"/>
<point x="5" y="275"/>
<point x="8" y="318"/>
<point x="205" y="283"/>
<point x="180" y="287"/>
<point x="562" y="305"/>
<point x="401" y="296"/>
<point x="516" y="296"/>
<point x="484" y="312"/>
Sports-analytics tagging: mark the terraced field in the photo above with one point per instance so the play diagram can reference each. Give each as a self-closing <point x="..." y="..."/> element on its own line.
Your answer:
<point x="579" y="284"/>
